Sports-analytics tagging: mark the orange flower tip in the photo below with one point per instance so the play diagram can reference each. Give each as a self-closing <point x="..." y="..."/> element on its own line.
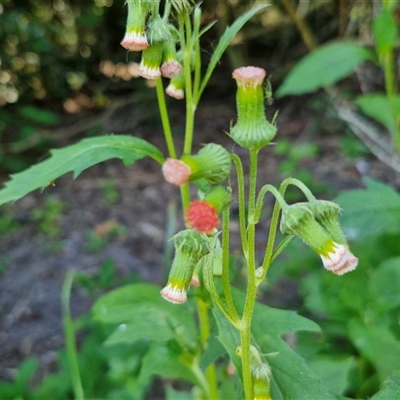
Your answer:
<point x="176" y="172"/>
<point x="170" y="69"/>
<point x="134" y="42"/>
<point x="195" y="280"/>
<point x="340" y="260"/>
<point x="202" y="217"/>
<point x="173" y="294"/>
<point x="149" y="72"/>
<point x="174" y="92"/>
<point x="249" y="76"/>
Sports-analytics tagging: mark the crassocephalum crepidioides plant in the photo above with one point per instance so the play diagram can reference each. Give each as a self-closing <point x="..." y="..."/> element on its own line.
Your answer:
<point x="202" y="250"/>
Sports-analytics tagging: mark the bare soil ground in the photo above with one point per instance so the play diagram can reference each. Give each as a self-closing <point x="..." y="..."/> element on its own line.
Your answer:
<point x="36" y="263"/>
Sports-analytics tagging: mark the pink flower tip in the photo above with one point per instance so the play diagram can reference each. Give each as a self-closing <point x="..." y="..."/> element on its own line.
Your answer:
<point x="174" y="92"/>
<point x="149" y="72"/>
<point x="340" y="260"/>
<point x="249" y="76"/>
<point x="202" y="217"/>
<point x="176" y="172"/>
<point x="195" y="280"/>
<point x="134" y="42"/>
<point x="173" y="294"/>
<point x="170" y="69"/>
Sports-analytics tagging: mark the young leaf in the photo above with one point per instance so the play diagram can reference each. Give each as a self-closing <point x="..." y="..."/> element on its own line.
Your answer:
<point x="371" y="211"/>
<point x="323" y="67"/>
<point x="226" y="39"/>
<point x="76" y="158"/>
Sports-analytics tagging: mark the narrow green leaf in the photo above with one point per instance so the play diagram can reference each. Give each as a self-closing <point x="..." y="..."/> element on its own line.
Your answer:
<point x="76" y="158"/>
<point x="378" y="107"/>
<point x="391" y="388"/>
<point x="385" y="31"/>
<point x="323" y="67"/>
<point x="226" y="39"/>
<point x="371" y="211"/>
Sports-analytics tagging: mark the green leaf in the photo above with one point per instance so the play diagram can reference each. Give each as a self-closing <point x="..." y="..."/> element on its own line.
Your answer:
<point x="335" y="372"/>
<point x="385" y="31"/>
<point x="323" y="67"/>
<point x="167" y="361"/>
<point x="143" y="321"/>
<point x="384" y="285"/>
<point x="172" y="394"/>
<point x="291" y="378"/>
<point x="371" y="211"/>
<point x="118" y="307"/>
<point x="391" y="388"/>
<point x="226" y="39"/>
<point x="377" y="344"/>
<point x="77" y="158"/>
<point x="378" y="107"/>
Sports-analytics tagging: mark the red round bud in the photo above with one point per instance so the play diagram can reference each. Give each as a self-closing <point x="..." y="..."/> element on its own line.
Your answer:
<point x="202" y="217"/>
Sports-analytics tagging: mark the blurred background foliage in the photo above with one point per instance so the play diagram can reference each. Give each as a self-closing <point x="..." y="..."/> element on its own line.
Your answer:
<point x="61" y="59"/>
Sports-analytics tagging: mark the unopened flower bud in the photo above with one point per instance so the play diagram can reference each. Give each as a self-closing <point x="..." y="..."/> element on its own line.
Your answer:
<point x="190" y="247"/>
<point x="298" y="219"/>
<point x="176" y="87"/>
<point x="135" y="38"/>
<point x="252" y="130"/>
<point x="212" y="163"/>
<point x="219" y="197"/>
<point x="170" y="67"/>
<point x="149" y="67"/>
<point x="261" y="375"/>
<point x="202" y="217"/>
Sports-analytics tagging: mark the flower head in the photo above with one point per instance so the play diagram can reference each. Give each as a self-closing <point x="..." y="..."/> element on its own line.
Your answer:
<point x="149" y="67"/>
<point x="252" y="130"/>
<point x="298" y="219"/>
<point x="176" y="87"/>
<point x="202" y="217"/>
<point x="190" y="247"/>
<point x="170" y="66"/>
<point x="135" y="41"/>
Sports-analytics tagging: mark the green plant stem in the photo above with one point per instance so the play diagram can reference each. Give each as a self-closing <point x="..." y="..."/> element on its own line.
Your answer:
<point x="211" y="374"/>
<point x="69" y="333"/>
<point x="225" y="266"/>
<point x="186" y="35"/>
<point x="251" y="280"/>
<point x="162" y="106"/>
<point x="241" y="200"/>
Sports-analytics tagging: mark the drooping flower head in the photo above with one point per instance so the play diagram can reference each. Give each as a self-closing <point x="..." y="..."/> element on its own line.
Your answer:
<point x="135" y="38"/>
<point x="170" y="66"/>
<point x="190" y="247"/>
<point x="176" y="172"/>
<point x="252" y="130"/>
<point x="298" y="219"/>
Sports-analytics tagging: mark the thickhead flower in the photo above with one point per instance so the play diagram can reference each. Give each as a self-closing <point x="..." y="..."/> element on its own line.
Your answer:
<point x="190" y="247"/>
<point x="202" y="217"/>
<point x="149" y="67"/>
<point x="176" y="87"/>
<point x="212" y="163"/>
<point x="298" y="219"/>
<point x="170" y="66"/>
<point x="261" y="375"/>
<point x="135" y="38"/>
<point x="252" y="130"/>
